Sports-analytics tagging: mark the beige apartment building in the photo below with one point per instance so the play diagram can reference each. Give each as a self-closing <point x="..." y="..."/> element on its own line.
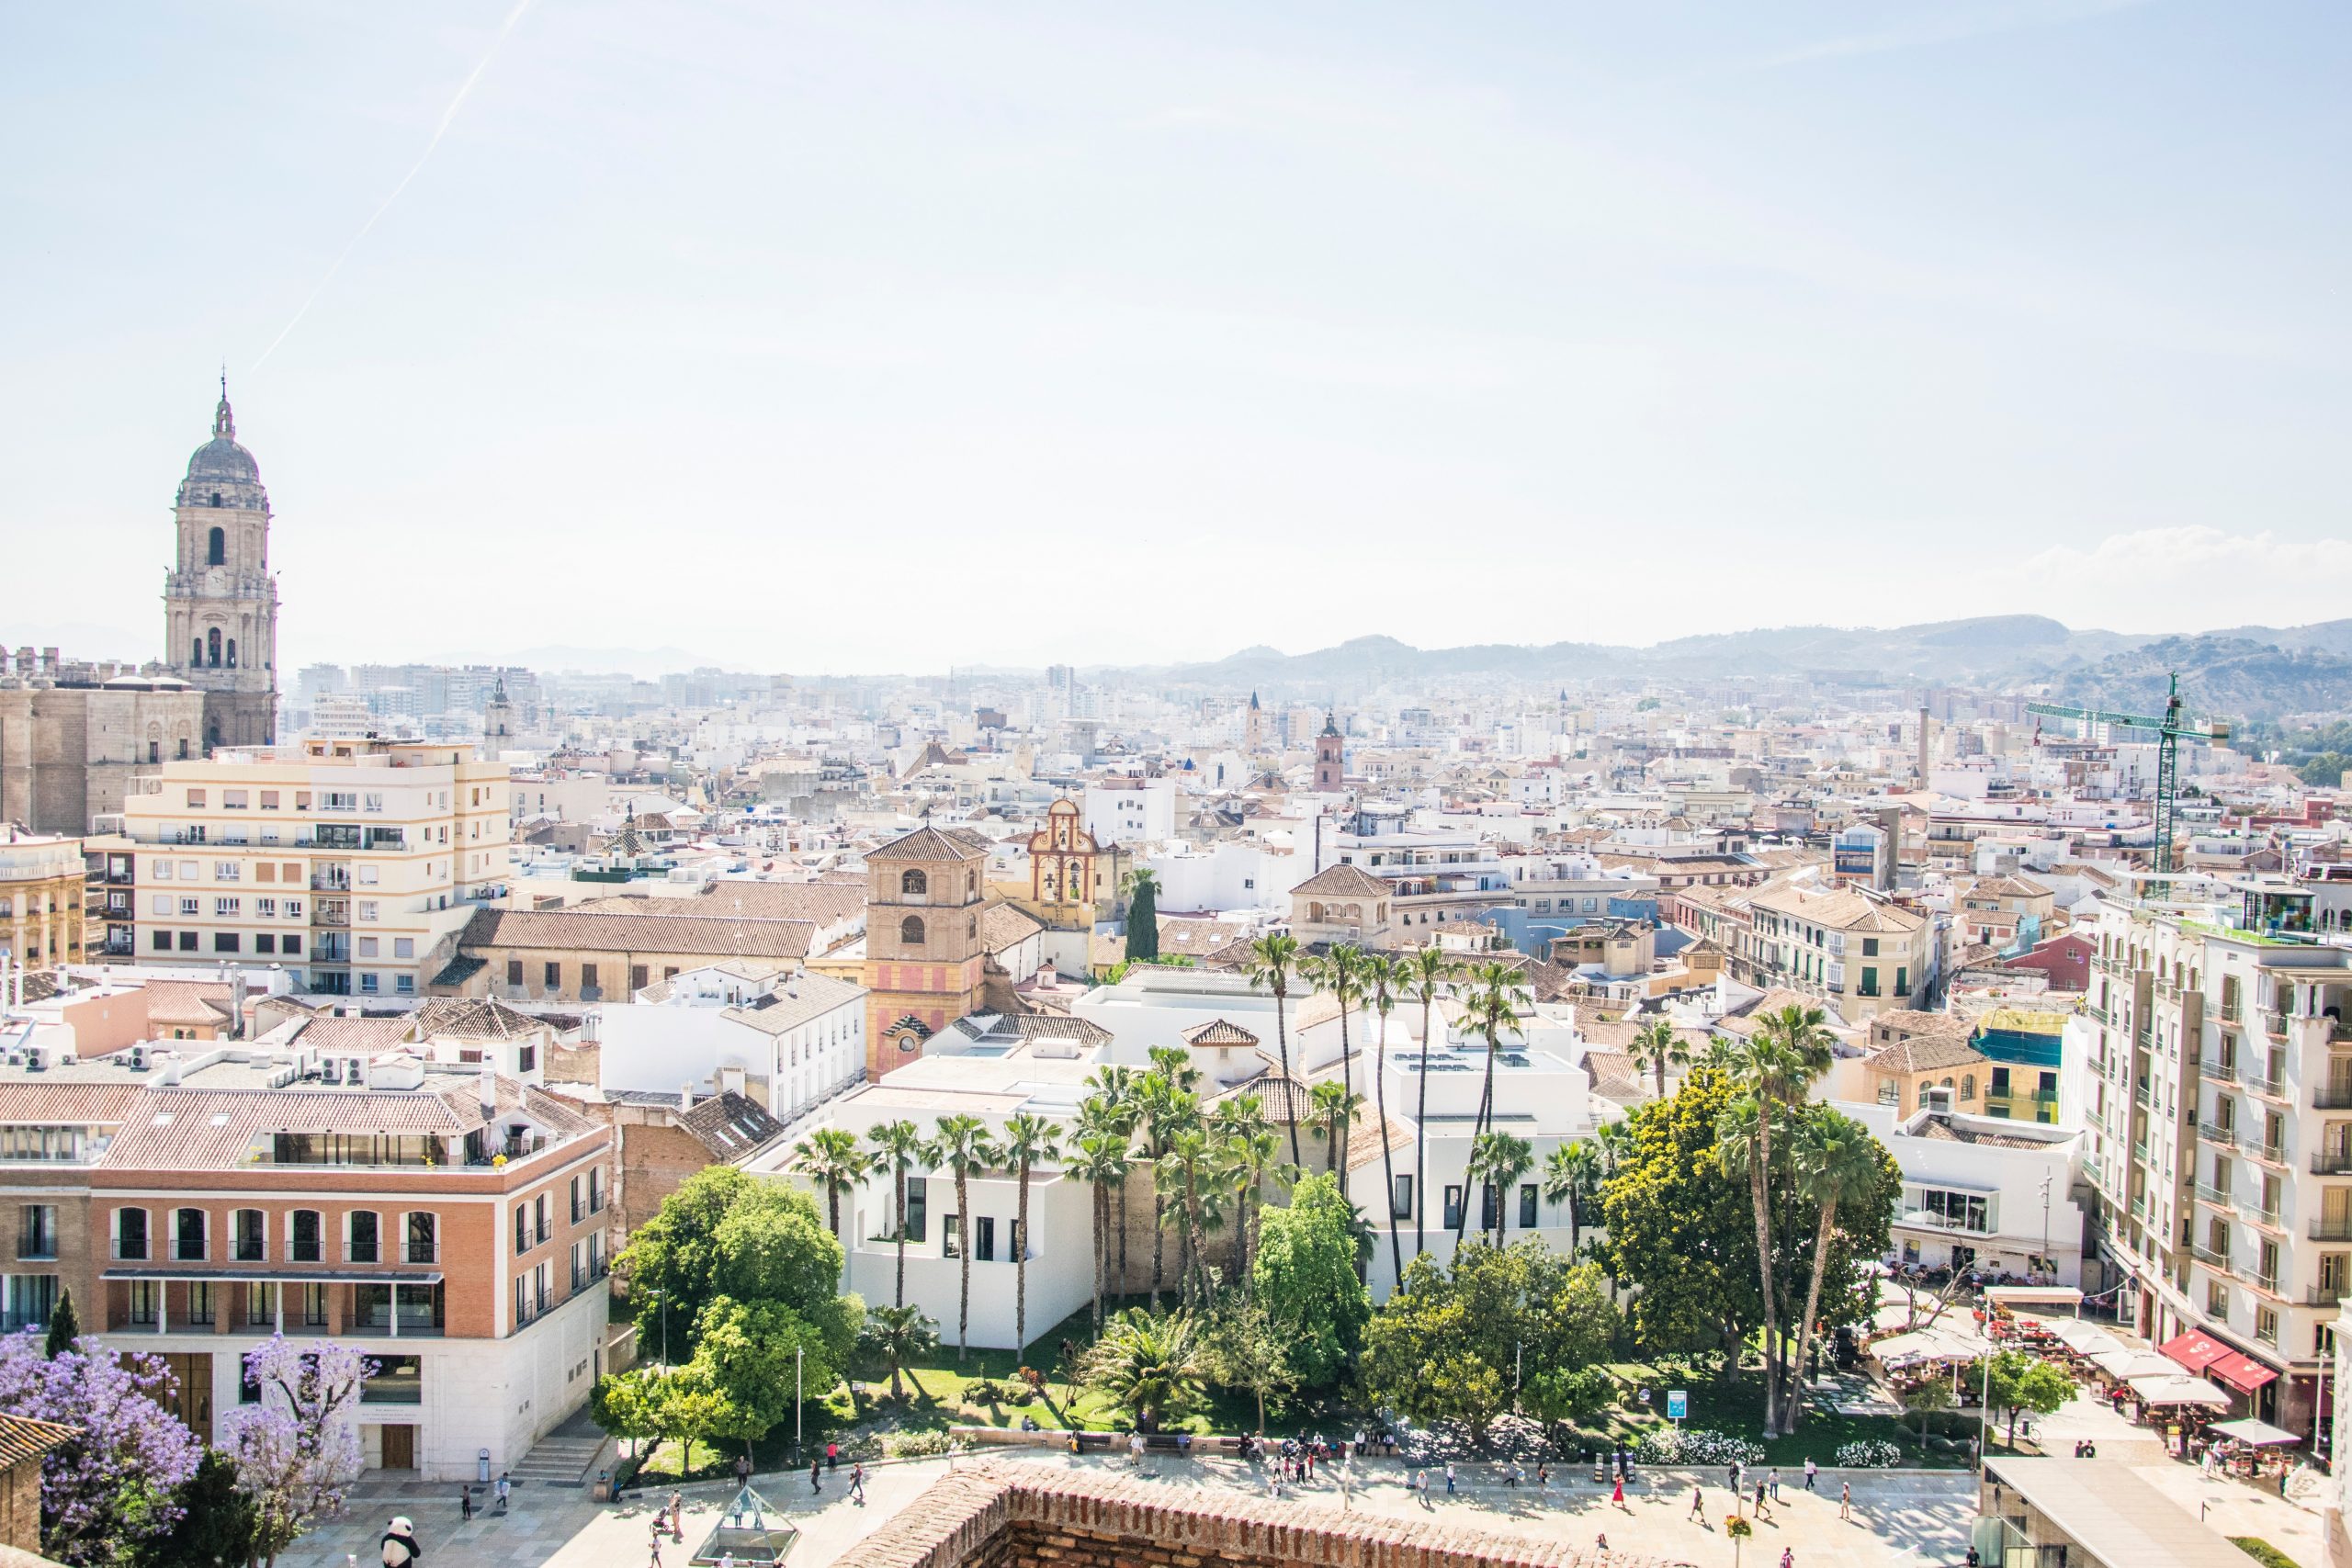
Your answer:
<point x="43" y="889"/>
<point x="2217" y="1091"/>
<point x="355" y="863"/>
<point x="1855" y="954"/>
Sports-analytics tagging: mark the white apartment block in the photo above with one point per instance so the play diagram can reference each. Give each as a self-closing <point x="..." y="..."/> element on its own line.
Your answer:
<point x="2219" y="1093"/>
<point x="788" y="1038"/>
<point x="350" y="863"/>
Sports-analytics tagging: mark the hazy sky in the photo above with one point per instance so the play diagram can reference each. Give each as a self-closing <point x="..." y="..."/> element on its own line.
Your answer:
<point x="885" y="336"/>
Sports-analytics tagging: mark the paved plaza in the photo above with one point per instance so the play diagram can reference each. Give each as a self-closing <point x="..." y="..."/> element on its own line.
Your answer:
<point x="1902" y="1518"/>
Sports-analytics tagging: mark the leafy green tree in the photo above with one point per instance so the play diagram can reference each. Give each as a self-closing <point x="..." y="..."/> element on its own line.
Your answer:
<point x="898" y="1149"/>
<point x="723" y="1232"/>
<point x="1152" y="1365"/>
<point x="2019" y="1382"/>
<point x="1452" y="1346"/>
<point x="219" y="1524"/>
<point x="64" y="1324"/>
<point x="1579" y="1397"/>
<point x="961" y="1147"/>
<point x="683" y="1404"/>
<point x="775" y="1247"/>
<point x="899" y="1334"/>
<point x="1250" y="1351"/>
<point x="749" y="1351"/>
<point x="1304" y="1276"/>
<point x="1926" y="1399"/>
<point x="1142" y="887"/>
<point x="622" y="1404"/>
<point x="1272" y="960"/>
<point x="1677" y="1223"/>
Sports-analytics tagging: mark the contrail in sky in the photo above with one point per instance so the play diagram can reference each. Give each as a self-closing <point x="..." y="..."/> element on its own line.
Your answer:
<point x="439" y="131"/>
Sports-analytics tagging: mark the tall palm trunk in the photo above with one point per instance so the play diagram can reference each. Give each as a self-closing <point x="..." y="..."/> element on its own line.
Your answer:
<point x="1388" y="1155"/>
<point x="1290" y="1092"/>
<point x="963" y="1257"/>
<point x="1347" y="1083"/>
<point x="1761" y="1159"/>
<point x="1477" y="1127"/>
<point x="1020" y="1264"/>
<point x="1102" y="1247"/>
<point x="1421" y="1142"/>
<point x="1122" y="1287"/>
<point x="1159" y="1237"/>
<point x="899" y="1203"/>
<point x="1795" y="1406"/>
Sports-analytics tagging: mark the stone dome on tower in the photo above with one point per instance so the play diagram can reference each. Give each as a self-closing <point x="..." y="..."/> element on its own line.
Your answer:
<point x="221" y="472"/>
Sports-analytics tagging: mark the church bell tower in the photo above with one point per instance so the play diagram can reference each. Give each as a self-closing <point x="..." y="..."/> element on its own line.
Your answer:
<point x="221" y="599"/>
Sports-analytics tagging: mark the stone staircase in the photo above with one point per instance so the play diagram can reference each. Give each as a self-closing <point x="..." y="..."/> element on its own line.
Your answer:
<point x="562" y="1458"/>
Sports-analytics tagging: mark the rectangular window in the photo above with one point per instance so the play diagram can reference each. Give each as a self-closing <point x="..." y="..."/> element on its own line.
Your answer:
<point x="366" y="947"/>
<point x="266" y="909"/>
<point x="303" y="1244"/>
<point x="637" y="981"/>
<point x="522" y="1229"/>
<point x="261" y="1305"/>
<point x="1453" y="1207"/>
<point x="404" y="947"/>
<point x="187" y="1236"/>
<point x="191" y="909"/>
<point x="269" y="800"/>
<point x="265" y="943"/>
<point x="252" y="1240"/>
<point x="290" y="942"/>
<point x="364" y="1246"/>
<point x="540" y="1212"/>
<point x="161" y="871"/>
<point x="314" y="1306"/>
<point x="227" y="909"/>
<point x="1870" y="947"/>
<point x="587" y="976"/>
<point x="1527" y="1200"/>
<point x="522" y="1299"/>
<point x="368" y="909"/>
<point x="514" y="972"/>
<point x="579" y="1201"/>
<point x="950" y="1235"/>
<point x="225" y="871"/>
<point x="552" y="978"/>
<point x="983" y="1238"/>
<point x="199" y="1304"/>
<point x="1490" y="1213"/>
<point x="146" y="1295"/>
<point x="1400" y="1200"/>
<point x="161" y="942"/>
<point x="225" y="941"/>
<point x="420" y="1248"/>
<point x="195" y="800"/>
<point x="595" y="1191"/>
<point x="1902" y="982"/>
<point x="36" y="1233"/>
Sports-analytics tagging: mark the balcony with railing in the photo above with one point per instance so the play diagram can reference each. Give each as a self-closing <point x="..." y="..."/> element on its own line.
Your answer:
<point x="2332" y="1096"/>
<point x="2332" y="1230"/>
<point x="2217" y="1132"/>
<point x="2323" y="1295"/>
<point x="2251" y="1206"/>
<point x="2258" y="1148"/>
<point x="2332" y="1162"/>
<point x="2219" y="1197"/>
<point x="2215" y="1258"/>
<point x="2268" y="1085"/>
<point x="2221" y="1072"/>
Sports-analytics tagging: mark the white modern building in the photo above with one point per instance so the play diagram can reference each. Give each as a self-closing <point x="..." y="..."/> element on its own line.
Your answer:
<point x="1982" y="1193"/>
<point x="789" y="1038"/>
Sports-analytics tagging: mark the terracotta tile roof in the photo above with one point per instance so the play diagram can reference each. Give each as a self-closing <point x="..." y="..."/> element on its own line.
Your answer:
<point x="565" y="930"/>
<point x="1945" y="1132"/>
<point x="194" y="1002"/>
<point x="1343" y="881"/>
<point x="1218" y="1033"/>
<point x="22" y="1438"/>
<point x="933" y="844"/>
<point x="731" y="1126"/>
<point x="45" y="1101"/>
<point x="1004" y="926"/>
<point x="460" y="1018"/>
<point x="200" y="1129"/>
<point x="827" y="903"/>
<point x="358" y="1036"/>
<point x="1928" y="1054"/>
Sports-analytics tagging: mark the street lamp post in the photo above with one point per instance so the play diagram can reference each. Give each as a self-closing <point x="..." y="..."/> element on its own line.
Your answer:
<point x="797" y="1352"/>
<point x="2046" y="1261"/>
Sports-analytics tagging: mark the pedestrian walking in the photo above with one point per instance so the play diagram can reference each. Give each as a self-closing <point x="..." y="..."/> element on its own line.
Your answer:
<point x="1759" y="1499"/>
<point x="1845" y="1499"/>
<point x="1449" y="1478"/>
<point x="833" y="1456"/>
<point x="657" y="1544"/>
<point x="742" y="1470"/>
<point x="1733" y="1469"/>
<point x="858" y="1485"/>
<point x="506" y="1487"/>
<point x="816" y="1476"/>
<point x="465" y="1505"/>
<point x="1698" y="1502"/>
<point x="1617" y="1495"/>
<point x="1788" y="1557"/>
<point x="1776" y="1483"/>
<point x="1543" y="1476"/>
<point x="677" y="1515"/>
<point x="1811" y="1470"/>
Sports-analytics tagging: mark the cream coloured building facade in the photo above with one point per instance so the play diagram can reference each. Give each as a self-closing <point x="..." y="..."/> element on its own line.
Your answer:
<point x="42" y="889"/>
<point x="354" y="864"/>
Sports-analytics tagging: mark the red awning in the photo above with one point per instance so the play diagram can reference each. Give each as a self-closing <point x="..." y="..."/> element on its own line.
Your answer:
<point x="2196" y="1351"/>
<point x="2241" y="1372"/>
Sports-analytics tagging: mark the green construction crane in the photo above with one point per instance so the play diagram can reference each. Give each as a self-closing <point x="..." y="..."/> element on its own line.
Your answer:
<point x="2171" y="729"/>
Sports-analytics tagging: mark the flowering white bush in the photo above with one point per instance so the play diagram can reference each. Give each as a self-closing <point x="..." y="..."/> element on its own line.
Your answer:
<point x="1696" y="1445"/>
<point x="1870" y="1454"/>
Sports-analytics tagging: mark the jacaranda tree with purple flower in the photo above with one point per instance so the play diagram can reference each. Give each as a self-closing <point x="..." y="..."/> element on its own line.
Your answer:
<point x="297" y="1448"/>
<point x="111" y="1487"/>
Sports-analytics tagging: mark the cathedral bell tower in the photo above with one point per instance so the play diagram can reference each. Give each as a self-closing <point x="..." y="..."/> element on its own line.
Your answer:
<point x="221" y="600"/>
<point x="1330" y="747"/>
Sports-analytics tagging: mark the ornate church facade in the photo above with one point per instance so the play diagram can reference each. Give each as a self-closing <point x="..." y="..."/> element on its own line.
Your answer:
<point x="221" y="598"/>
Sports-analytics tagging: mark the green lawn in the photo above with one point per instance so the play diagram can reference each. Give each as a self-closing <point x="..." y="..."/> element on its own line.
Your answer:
<point x="1737" y="1409"/>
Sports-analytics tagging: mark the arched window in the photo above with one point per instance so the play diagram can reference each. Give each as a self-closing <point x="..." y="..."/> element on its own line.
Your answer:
<point x="232" y="653"/>
<point x="910" y="930"/>
<point x="212" y="647"/>
<point x="913" y="881"/>
<point x="216" y="549"/>
<point x="1967" y="1087"/>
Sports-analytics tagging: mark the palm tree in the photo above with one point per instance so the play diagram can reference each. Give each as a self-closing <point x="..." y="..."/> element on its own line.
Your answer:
<point x="1772" y="1066"/>
<point x="1383" y="979"/>
<point x="1166" y="1110"/>
<point x="898" y="1146"/>
<point x="1190" y="1164"/>
<point x="1252" y="1160"/>
<point x="961" y="1147"/>
<point x="831" y="1157"/>
<point x="1149" y="1363"/>
<point x="1426" y="972"/>
<point x="1837" y="1163"/>
<point x="1100" y="1162"/>
<point x="1496" y="995"/>
<point x="1657" y="1046"/>
<point x="1110" y="1109"/>
<point x="1270" y="961"/>
<point x="1340" y="972"/>
<point x="1571" y="1174"/>
<point x="1499" y="1159"/>
<point x="902" y="1333"/>
<point x="1332" y="1104"/>
<point x="1027" y="1140"/>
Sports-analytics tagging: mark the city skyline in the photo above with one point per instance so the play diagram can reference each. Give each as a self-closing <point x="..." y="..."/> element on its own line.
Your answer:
<point x="2012" y="310"/>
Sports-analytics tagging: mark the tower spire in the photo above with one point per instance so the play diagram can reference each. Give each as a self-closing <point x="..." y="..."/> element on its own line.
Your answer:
<point x="224" y="423"/>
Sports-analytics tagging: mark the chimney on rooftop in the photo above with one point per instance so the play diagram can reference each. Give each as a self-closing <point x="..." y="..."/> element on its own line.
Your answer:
<point x="170" y="1062"/>
<point x="685" y="1097"/>
<point x="486" y="1087"/>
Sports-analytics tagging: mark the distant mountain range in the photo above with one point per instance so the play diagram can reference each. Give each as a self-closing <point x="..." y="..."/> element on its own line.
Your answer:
<point x="2245" y="670"/>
